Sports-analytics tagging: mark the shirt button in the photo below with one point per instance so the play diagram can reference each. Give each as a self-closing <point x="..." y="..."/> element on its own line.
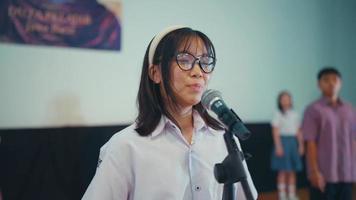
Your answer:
<point x="197" y="188"/>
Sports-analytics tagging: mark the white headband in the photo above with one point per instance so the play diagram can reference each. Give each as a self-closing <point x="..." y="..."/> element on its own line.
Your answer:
<point x="158" y="38"/>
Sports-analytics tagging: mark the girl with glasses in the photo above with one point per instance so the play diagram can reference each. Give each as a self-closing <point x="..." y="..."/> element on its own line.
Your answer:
<point x="171" y="149"/>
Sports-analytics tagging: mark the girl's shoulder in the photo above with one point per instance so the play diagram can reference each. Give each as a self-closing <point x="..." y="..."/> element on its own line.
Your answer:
<point x="277" y="114"/>
<point x="121" y="140"/>
<point x="127" y="133"/>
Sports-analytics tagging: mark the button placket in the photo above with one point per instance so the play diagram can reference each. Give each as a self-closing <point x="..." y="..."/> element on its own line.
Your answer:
<point x="190" y="168"/>
<point x="195" y="185"/>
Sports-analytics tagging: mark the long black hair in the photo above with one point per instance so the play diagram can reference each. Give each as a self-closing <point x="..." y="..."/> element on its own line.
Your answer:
<point x="151" y="105"/>
<point x="279" y="104"/>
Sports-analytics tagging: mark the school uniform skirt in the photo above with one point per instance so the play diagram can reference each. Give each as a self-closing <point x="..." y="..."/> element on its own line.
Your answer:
<point x="291" y="160"/>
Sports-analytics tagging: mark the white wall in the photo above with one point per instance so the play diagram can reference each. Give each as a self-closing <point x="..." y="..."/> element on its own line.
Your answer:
<point x="262" y="48"/>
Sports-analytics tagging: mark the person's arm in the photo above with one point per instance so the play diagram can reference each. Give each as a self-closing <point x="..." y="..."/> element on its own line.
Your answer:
<point x="300" y="142"/>
<point x="277" y="141"/>
<point x="113" y="178"/>
<point x="315" y="177"/>
<point x="354" y="126"/>
<point x="310" y="130"/>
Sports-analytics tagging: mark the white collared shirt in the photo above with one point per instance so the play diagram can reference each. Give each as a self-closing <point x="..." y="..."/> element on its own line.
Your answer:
<point x="162" y="166"/>
<point x="288" y="123"/>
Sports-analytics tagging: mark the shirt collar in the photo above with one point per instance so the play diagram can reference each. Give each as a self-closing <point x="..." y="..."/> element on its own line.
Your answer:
<point x="160" y="126"/>
<point x="198" y="121"/>
<point x="165" y="122"/>
<point x="200" y="124"/>
<point x="326" y="101"/>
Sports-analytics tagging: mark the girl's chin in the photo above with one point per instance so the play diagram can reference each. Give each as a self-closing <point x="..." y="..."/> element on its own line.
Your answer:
<point x="190" y="100"/>
<point x="193" y="102"/>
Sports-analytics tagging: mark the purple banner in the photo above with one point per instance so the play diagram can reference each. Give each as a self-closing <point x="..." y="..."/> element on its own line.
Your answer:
<point x="70" y="23"/>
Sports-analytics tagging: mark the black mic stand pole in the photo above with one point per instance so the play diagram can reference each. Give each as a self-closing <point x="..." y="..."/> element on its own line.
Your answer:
<point x="231" y="170"/>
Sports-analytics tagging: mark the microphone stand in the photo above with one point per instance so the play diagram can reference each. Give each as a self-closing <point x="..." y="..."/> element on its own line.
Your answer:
<point x="231" y="170"/>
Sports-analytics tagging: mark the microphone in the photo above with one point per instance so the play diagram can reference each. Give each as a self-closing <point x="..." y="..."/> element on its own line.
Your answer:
<point x="212" y="100"/>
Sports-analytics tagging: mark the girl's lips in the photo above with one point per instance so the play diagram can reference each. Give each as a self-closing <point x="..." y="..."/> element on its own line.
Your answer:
<point x="196" y="87"/>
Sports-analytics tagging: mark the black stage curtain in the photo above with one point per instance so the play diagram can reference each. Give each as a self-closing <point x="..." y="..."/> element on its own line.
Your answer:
<point x="59" y="163"/>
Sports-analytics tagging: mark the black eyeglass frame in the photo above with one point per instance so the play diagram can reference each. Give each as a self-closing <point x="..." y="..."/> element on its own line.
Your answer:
<point x="195" y="60"/>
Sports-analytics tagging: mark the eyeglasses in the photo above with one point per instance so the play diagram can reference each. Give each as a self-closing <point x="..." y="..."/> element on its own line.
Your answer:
<point x="186" y="62"/>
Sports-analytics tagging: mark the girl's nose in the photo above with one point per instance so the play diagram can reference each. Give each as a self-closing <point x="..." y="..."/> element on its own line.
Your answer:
<point x="196" y="71"/>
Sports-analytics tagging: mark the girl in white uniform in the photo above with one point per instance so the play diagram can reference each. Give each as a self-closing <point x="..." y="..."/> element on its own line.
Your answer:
<point x="170" y="151"/>
<point x="288" y="147"/>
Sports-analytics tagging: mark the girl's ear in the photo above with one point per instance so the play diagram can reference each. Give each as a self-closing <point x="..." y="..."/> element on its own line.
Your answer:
<point x="155" y="73"/>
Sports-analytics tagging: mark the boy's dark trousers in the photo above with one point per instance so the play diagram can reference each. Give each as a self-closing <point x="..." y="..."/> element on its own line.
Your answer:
<point x="333" y="191"/>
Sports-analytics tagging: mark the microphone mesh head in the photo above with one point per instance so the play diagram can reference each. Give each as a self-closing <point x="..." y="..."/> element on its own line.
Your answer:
<point x="208" y="96"/>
